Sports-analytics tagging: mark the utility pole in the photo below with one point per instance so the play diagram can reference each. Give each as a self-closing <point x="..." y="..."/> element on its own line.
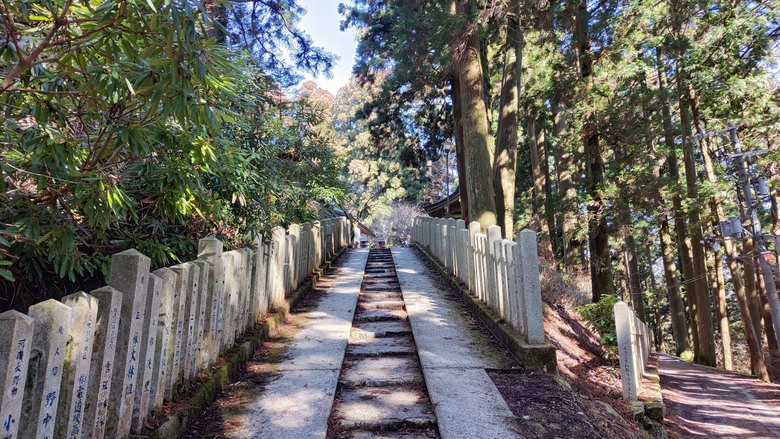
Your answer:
<point x="739" y="159"/>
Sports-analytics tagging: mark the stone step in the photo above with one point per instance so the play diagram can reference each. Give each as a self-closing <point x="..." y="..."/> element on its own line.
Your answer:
<point x="381" y="286"/>
<point x="382" y="409"/>
<point x="382" y="328"/>
<point x="382" y="346"/>
<point x="375" y="315"/>
<point x="380" y="296"/>
<point x="368" y="304"/>
<point x="380" y="372"/>
<point x="426" y="433"/>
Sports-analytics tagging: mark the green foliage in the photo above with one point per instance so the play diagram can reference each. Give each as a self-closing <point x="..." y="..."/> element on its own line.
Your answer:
<point x="601" y="317"/>
<point x="127" y="124"/>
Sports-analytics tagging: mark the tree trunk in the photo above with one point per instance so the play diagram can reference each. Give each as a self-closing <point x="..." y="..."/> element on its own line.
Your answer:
<point x="459" y="152"/>
<point x="549" y="208"/>
<point x="632" y="274"/>
<point x="566" y="168"/>
<point x="677" y="211"/>
<point x="752" y="333"/>
<point x="506" y="148"/>
<point x="676" y="305"/>
<point x="536" y="151"/>
<point x="598" y="240"/>
<point x="477" y="142"/>
<point x="718" y="279"/>
<point x="701" y="299"/>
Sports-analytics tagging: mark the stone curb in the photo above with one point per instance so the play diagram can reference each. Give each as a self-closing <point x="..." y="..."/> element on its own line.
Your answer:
<point x="179" y="421"/>
<point x="530" y="358"/>
<point x="651" y="401"/>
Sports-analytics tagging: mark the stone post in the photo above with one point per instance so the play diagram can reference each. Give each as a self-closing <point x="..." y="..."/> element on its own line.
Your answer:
<point x="532" y="290"/>
<point x="474" y="228"/>
<point x="16" y="333"/>
<point x="317" y="243"/>
<point x="444" y="250"/>
<point x="306" y="256"/>
<point x="513" y="284"/>
<point x="493" y="235"/>
<point x="130" y="276"/>
<point x="231" y="301"/>
<point x="276" y="267"/>
<point x="289" y="264"/>
<point x="179" y="320"/>
<point x="259" y="298"/>
<point x="163" y="350"/>
<point x="460" y="254"/>
<point x="44" y="375"/>
<point x="102" y="366"/>
<point x="201" y="361"/>
<point x="146" y="364"/>
<point x="191" y="312"/>
<point x="75" y="374"/>
<point x="478" y="272"/>
<point x="626" y="351"/>
<point x="242" y="282"/>
<point x="210" y="250"/>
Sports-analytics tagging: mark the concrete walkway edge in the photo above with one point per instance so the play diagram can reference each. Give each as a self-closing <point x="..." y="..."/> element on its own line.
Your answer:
<point x="466" y="402"/>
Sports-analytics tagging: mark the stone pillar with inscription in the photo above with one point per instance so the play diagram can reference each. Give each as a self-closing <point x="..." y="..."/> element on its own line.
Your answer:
<point x="163" y="352"/>
<point x="179" y="326"/>
<point x="44" y="374"/>
<point x="204" y="305"/>
<point x="532" y="290"/>
<point x="210" y="250"/>
<point x="102" y="366"/>
<point x="130" y="276"/>
<point x="75" y="373"/>
<point x="16" y="332"/>
<point x="146" y="363"/>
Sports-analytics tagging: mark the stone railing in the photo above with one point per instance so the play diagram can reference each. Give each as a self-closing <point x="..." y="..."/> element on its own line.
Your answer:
<point x="501" y="273"/>
<point x="633" y="338"/>
<point x="97" y="365"/>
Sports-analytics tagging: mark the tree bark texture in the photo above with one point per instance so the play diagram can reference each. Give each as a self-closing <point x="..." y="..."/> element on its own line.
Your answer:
<point x="701" y="299"/>
<point x="505" y="164"/>
<point x="477" y="142"/>
<point x="676" y="305"/>
<point x="598" y="240"/>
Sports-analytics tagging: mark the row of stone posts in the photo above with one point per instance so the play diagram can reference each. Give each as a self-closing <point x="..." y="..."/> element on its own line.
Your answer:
<point x="503" y="274"/>
<point x="97" y="365"/>
<point x="633" y="338"/>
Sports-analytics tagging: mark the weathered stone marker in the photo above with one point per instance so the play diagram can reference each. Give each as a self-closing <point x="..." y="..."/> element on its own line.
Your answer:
<point x="625" y="339"/>
<point x="210" y="250"/>
<point x="78" y="356"/>
<point x="204" y="305"/>
<point x="179" y="322"/>
<point x="102" y="366"/>
<point x="532" y="290"/>
<point x="146" y="362"/>
<point x="16" y="332"/>
<point x="190" y="314"/>
<point x="129" y="275"/>
<point x="163" y="352"/>
<point x="44" y="374"/>
<point x="493" y="235"/>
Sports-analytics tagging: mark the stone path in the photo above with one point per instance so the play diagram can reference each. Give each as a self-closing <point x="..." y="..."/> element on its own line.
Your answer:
<point x="381" y="388"/>
<point x="712" y="403"/>
<point x="381" y="352"/>
<point x="295" y="400"/>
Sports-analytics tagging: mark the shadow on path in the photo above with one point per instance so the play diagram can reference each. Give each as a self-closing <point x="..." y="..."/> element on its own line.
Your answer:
<point x="713" y="403"/>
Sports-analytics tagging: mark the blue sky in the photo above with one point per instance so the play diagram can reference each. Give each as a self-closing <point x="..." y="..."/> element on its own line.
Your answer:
<point x="321" y="22"/>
